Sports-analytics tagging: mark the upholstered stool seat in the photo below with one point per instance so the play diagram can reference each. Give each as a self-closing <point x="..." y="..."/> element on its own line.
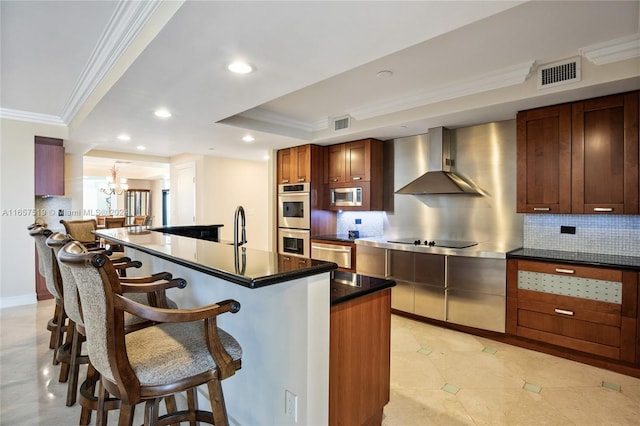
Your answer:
<point x="171" y="352"/>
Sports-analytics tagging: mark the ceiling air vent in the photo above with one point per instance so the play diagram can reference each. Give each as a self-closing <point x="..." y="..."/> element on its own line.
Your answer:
<point x="558" y="73"/>
<point x="341" y="123"/>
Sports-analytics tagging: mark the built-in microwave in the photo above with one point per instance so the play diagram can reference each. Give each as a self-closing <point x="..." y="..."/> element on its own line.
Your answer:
<point x="294" y="242"/>
<point x="294" y="206"/>
<point x="346" y="197"/>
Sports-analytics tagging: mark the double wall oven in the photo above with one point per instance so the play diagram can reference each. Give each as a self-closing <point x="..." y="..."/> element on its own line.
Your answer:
<point x="294" y="219"/>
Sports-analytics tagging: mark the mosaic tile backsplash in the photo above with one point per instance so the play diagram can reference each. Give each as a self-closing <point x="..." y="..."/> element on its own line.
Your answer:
<point x="612" y="234"/>
<point x="371" y="223"/>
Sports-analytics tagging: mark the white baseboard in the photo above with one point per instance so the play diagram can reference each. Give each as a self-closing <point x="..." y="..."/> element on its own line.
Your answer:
<point x="25" y="299"/>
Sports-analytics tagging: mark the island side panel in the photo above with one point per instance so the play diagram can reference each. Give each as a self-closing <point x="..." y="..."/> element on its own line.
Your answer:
<point x="284" y="333"/>
<point x="360" y="355"/>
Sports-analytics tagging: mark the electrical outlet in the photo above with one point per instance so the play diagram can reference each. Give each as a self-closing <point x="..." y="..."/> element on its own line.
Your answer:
<point x="291" y="405"/>
<point x="567" y="229"/>
<point x="358" y="221"/>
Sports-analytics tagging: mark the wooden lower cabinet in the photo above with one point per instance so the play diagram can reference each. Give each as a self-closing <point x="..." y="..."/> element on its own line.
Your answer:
<point x="359" y="359"/>
<point x="586" y="309"/>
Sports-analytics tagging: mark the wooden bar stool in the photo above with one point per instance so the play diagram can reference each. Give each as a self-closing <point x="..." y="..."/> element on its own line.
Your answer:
<point x="183" y="350"/>
<point x="149" y="289"/>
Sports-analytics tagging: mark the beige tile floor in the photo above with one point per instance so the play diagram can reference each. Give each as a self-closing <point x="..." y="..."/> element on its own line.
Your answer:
<point x="438" y="377"/>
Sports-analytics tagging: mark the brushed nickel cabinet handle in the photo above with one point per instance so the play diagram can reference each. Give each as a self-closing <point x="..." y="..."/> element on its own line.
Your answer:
<point x="565" y="271"/>
<point x="356" y="178"/>
<point x="603" y="209"/>
<point x="301" y="180"/>
<point x="541" y="209"/>
<point x="334" y="179"/>
<point x="563" y="312"/>
<point x="285" y="180"/>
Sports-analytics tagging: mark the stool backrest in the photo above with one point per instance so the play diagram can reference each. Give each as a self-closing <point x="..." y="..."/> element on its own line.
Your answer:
<point x="46" y="265"/>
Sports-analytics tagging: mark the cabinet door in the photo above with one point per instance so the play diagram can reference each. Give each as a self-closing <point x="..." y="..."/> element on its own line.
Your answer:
<point x="605" y="155"/>
<point x="49" y="166"/>
<point x="285" y="166"/>
<point x="544" y="160"/>
<point x="302" y="167"/>
<point x="358" y="160"/>
<point x="335" y="163"/>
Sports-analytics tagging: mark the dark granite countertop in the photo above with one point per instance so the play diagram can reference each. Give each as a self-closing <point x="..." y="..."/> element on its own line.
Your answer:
<point x="578" y="258"/>
<point x="347" y="286"/>
<point x="335" y="237"/>
<point x="248" y="267"/>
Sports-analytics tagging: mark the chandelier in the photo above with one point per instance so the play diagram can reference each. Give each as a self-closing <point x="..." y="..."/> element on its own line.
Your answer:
<point x="113" y="186"/>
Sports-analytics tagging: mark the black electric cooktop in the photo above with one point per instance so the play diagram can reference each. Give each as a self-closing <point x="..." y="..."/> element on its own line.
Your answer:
<point x="435" y="243"/>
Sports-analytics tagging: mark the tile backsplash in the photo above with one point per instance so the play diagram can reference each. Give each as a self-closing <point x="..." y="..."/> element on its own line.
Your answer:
<point x="371" y="223"/>
<point x="611" y="234"/>
<point x="53" y="209"/>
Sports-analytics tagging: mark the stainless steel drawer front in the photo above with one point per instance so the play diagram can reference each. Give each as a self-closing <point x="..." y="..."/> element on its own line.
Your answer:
<point x="341" y="255"/>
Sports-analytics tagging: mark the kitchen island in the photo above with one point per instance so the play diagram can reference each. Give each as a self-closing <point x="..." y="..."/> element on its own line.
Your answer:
<point x="283" y="325"/>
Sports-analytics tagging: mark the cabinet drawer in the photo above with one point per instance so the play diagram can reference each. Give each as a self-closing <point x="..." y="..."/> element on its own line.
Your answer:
<point x="570" y="270"/>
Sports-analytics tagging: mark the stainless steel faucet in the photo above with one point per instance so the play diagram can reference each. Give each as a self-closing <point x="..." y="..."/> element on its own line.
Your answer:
<point x="239" y="215"/>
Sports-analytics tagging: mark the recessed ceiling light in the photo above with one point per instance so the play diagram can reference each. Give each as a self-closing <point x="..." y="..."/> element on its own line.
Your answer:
<point x="124" y="137"/>
<point x="384" y="74"/>
<point x="162" y="113"/>
<point x="248" y="138"/>
<point x="240" y="67"/>
<point x="141" y="148"/>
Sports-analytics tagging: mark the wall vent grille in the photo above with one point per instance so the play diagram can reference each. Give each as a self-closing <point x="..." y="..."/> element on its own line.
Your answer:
<point x="559" y="73"/>
<point x="341" y="123"/>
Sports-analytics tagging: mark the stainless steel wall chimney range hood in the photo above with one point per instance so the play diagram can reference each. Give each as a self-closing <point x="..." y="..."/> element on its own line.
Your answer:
<point x="439" y="179"/>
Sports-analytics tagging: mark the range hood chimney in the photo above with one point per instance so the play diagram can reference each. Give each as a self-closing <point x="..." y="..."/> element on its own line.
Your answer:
<point x="439" y="179"/>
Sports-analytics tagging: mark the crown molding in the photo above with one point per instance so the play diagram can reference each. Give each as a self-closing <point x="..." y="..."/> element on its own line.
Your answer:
<point x="125" y="24"/>
<point x="14" y="114"/>
<point x="505" y="77"/>
<point x="613" y="51"/>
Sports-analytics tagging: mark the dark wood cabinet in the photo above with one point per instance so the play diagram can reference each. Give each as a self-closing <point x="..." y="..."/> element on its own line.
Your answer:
<point x="605" y="155"/>
<point x="580" y="157"/>
<point x="357" y="164"/>
<point x="544" y="160"/>
<point x="49" y="166"/>
<point x="354" y="161"/>
<point x="294" y="164"/>
<point x="335" y="163"/>
<point x="586" y="309"/>
<point x="359" y="359"/>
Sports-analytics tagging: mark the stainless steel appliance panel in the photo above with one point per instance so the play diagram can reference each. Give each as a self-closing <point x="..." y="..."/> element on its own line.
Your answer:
<point x="339" y="254"/>
<point x="430" y="301"/>
<point x="485" y="154"/>
<point x="478" y="275"/>
<point x="371" y="261"/>
<point x="403" y="296"/>
<point x="294" y="206"/>
<point x="294" y="242"/>
<point x="401" y="266"/>
<point x="474" y="309"/>
<point x="430" y="269"/>
<point x="346" y="197"/>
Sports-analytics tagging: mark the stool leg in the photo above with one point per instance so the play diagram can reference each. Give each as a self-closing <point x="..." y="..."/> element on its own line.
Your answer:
<point x="192" y="404"/>
<point x="151" y="413"/>
<point x="74" y="365"/>
<point x="217" y="403"/>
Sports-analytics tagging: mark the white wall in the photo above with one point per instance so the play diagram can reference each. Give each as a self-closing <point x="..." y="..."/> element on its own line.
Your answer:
<point x="229" y="183"/>
<point x="222" y="184"/>
<point x="17" y="255"/>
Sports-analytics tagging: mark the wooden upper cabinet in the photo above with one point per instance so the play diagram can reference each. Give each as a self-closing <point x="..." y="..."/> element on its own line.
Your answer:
<point x="300" y="164"/>
<point x="49" y="166"/>
<point x="294" y="165"/>
<point x="354" y="161"/>
<point x="336" y="163"/>
<point x="544" y="160"/>
<point x="605" y="155"/>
